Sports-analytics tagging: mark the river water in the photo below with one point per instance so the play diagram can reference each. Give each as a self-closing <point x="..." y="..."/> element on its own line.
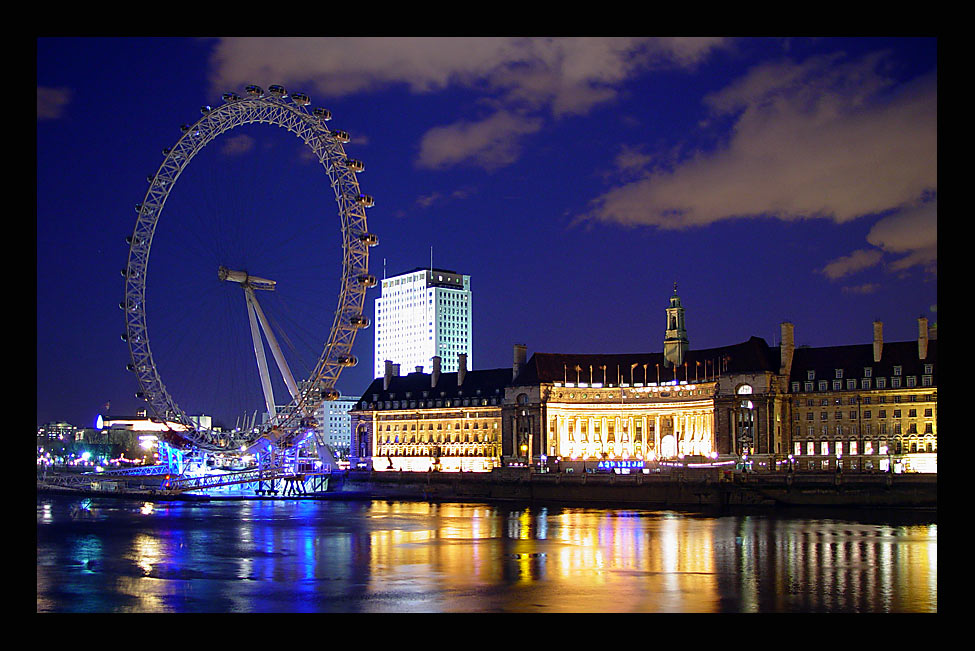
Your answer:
<point x="114" y="555"/>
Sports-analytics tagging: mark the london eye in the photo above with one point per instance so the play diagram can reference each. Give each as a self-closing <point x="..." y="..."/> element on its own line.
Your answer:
<point x="289" y="418"/>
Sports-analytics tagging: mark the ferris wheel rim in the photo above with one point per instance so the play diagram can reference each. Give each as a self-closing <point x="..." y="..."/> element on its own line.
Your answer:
<point x="276" y="110"/>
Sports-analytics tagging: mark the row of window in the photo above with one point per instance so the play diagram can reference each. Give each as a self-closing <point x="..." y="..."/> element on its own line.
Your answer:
<point x="439" y="438"/>
<point x="414" y="451"/>
<point x="852" y="447"/>
<point x="868" y="429"/>
<point x="865" y="384"/>
<point x="867" y="413"/>
<point x="866" y="400"/>
<point x="467" y="425"/>
<point x="868" y="372"/>
<point x="419" y="404"/>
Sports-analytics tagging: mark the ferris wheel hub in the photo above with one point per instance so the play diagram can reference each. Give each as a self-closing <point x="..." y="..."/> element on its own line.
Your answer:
<point x="242" y="277"/>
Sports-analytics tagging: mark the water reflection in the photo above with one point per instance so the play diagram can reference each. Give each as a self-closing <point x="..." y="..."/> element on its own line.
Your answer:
<point x="295" y="556"/>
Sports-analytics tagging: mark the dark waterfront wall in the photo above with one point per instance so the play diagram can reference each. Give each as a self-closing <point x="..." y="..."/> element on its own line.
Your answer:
<point x="687" y="491"/>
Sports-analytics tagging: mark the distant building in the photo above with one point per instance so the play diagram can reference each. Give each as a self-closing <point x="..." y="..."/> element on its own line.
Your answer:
<point x="337" y="423"/>
<point x="422" y="314"/>
<point x="57" y="432"/>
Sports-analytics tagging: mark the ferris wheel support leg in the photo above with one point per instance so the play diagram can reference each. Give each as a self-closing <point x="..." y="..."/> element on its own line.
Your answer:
<point x="275" y="348"/>
<point x="259" y="352"/>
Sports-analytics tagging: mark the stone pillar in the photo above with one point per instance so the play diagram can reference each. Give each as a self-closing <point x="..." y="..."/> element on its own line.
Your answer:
<point x="656" y="434"/>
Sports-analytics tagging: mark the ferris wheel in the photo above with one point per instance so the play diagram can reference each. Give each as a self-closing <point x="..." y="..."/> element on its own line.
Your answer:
<point x="288" y="423"/>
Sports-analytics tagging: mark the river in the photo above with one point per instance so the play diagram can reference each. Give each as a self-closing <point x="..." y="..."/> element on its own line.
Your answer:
<point x="116" y="555"/>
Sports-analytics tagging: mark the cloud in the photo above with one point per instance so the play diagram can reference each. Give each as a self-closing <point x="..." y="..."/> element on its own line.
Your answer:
<point x="856" y="261"/>
<point x="865" y="288"/>
<point x="825" y="138"/>
<point x="51" y="102"/>
<point x="434" y="198"/>
<point x="236" y="145"/>
<point x="631" y="161"/>
<point x="911" y="233"/>
<point x="490" y="143"/>
<point x="531" y="77"/>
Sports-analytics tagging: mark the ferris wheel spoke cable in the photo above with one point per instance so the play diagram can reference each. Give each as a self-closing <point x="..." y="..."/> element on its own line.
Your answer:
<point x="290" y="113"/>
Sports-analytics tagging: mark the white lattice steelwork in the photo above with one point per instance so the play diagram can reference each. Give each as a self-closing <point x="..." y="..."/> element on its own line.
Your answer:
<point x="289" y="425"/>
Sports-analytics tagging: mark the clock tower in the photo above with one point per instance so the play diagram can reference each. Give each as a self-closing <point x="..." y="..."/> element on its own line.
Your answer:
<point x="675" y="338"/>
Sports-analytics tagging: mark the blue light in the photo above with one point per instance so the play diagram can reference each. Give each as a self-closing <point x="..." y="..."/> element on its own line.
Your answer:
<point x="99" y="422"/>
<point x="621" y="464"/>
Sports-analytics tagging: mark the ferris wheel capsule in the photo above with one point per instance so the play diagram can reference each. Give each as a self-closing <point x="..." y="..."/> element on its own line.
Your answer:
<point x="365" y="200"/>
<point x="368" y="239"/>
<point x="341" y="136"/>
<point x="231" y="97"/>
<point x="277" y="90"/>
<point x="322" y="114"/>
<point x="348" y="360"/>
<point x="300" y="99"/>
<point x="355" y="165"/>
<point x="205" y="109"/>
<point x="367" y="280"/>
<point x="254" y="91"/>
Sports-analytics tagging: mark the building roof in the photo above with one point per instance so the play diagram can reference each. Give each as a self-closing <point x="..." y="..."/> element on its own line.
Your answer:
<point x="754" y="355"/>
<point x="854" y="358"/>
<point x="490" y="382"/>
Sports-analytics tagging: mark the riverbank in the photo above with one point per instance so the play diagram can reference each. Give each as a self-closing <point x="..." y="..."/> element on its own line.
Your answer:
<point x="685" y="491"/>
<point x="654" y="491"/>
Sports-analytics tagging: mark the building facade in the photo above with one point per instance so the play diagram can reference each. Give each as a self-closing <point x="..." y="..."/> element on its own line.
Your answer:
<point x="430" y="421"/>
<point x="422" y="314"/>
<point x="859" y="407"/>
<point x="873" y="404"/>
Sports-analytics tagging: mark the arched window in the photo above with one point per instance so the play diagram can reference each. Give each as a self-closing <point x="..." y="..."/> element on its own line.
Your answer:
<point x="745" y="422"/>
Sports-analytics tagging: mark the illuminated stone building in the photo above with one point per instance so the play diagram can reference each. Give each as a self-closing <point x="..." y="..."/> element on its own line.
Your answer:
<point x="641" y="406"/>
<point x="430" y="421"/>
<point x="862" y="407"/>
<point x="871" y="404"/>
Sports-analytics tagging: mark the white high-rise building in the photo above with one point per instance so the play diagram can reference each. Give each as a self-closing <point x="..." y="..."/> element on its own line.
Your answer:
<point x="421" y="314"/>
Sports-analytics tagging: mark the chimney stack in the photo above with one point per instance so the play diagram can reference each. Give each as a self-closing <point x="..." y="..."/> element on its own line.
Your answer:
<point x="435" y="376"/>
<point x="521" y="352"/>
<point x="387" y="374"/>
<point x="461" y="368"/>
<point x="922" y="338"/>
<point x="787" y="347"/>
<point x="878" y="340"/>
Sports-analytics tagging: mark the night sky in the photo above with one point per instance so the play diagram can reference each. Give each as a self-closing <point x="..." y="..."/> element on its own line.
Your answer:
<point x="574" y="180"/>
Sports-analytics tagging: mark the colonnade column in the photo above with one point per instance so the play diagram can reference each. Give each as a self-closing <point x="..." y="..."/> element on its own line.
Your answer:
<point x="656" y="434"/>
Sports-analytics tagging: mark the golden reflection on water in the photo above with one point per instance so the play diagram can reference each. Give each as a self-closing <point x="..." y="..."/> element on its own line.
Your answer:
<point x="587" y="560"/>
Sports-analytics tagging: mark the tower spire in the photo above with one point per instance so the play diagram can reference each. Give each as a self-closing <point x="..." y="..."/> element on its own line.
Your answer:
<point x="675" y="337"/>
